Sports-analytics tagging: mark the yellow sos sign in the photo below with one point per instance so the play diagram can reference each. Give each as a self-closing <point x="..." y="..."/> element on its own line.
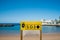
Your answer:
<point x="32" y="25"/>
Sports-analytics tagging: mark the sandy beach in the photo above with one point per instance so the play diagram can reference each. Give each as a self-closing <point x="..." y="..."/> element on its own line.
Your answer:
<point x="55" y="36"/>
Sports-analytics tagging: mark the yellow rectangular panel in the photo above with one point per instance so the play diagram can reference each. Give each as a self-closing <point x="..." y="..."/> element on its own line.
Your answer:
<point x="31" y="25"/>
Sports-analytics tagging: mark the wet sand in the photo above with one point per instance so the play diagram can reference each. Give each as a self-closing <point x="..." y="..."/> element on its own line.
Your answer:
<point x="55" y="36"/>
<point x="9" y="37"/>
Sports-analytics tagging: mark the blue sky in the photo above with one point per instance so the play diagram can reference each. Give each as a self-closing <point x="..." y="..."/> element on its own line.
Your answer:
<point x="14" y="11"/>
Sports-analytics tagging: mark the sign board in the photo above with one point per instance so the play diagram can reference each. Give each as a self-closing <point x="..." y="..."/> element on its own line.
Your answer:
<point x="31" y="25"/>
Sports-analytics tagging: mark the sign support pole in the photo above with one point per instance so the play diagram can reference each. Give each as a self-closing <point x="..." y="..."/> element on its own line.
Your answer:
<point x="40" y="34"/>
<point x="21" y="35"/>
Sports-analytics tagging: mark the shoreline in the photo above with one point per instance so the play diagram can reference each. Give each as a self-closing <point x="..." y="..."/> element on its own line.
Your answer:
<point x="13" y="24"/>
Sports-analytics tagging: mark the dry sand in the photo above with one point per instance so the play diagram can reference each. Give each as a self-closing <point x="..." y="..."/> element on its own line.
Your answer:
<point x="55" y="36"/>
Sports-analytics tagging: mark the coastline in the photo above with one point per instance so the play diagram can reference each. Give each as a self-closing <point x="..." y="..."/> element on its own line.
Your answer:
<point x="14" y="24"/>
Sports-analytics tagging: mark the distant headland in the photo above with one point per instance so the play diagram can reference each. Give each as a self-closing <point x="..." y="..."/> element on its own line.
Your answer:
<point x="8" y="24"/>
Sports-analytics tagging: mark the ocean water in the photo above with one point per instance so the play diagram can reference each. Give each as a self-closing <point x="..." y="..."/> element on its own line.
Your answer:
<point x="16" y="29"/>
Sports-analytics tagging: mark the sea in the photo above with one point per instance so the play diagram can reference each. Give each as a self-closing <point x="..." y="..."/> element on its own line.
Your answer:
<point x="16" y="30"/>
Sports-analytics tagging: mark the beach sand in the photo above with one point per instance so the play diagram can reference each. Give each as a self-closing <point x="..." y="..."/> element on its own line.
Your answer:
<point x="55" y="36"/>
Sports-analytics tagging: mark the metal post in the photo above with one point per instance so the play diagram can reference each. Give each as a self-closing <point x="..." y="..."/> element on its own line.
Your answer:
<point x="40" y="34"/>
<point x="21" y="35"/>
